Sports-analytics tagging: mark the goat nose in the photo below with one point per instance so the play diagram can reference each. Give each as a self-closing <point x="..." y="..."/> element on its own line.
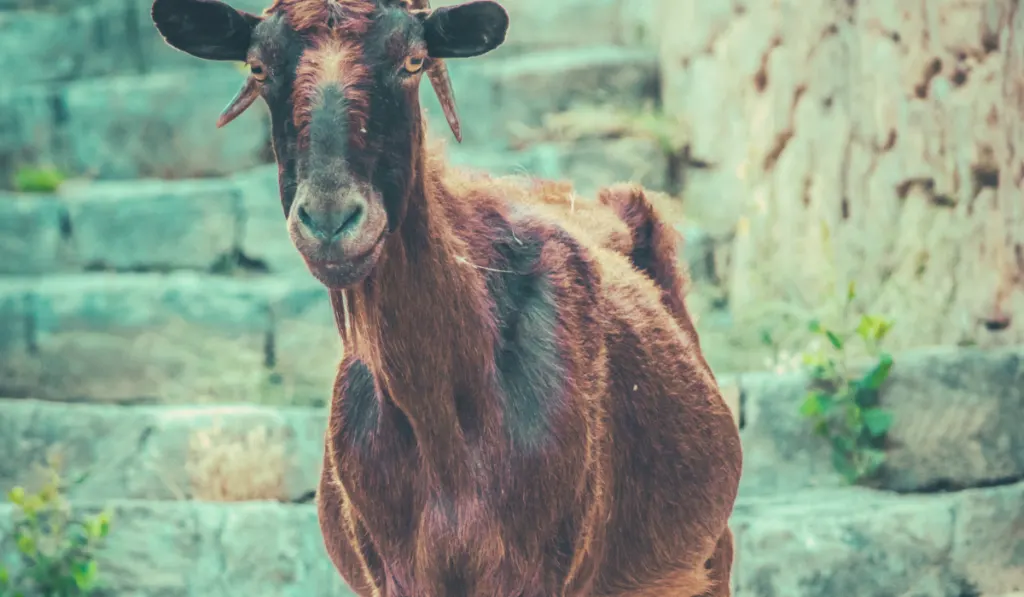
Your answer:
<point x="330" y="225"/>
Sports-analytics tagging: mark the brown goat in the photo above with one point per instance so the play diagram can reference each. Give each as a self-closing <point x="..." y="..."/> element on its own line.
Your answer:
<point x="523" y="409"/>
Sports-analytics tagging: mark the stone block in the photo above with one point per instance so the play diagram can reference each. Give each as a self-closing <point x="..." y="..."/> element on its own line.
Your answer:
<point x="824" y="543"/>
<point x="99" y="444"/>
<point x="988" y="539"/>
<point x="854" y="543"/>
<point x="16" y="340"/>
<point x="270" y="551"/>
<point x="15" y="315"/>
<point x="259" y="549"/>
<point x="530" y="86"/>
<point x="958" y="419"/>
<point x="956" y="416"/>
<point x="213" y="453"/>
<point x="126" y="338"/>
<point x="160" y="125"/>
<point x="697" y="251"/>
<point x="307" y="347"/>
<point x="153" y="224"/>
<point x="590" y="163"/>
<point x="229" y="454"/>
<point x="28" y="118"/>
<point x="496" y="95"/>
<point x="264" y="234"/>
<point x="84" y="40"/>
<point x="30" y="234"/>
<point x="780" y="452"/>
<point x="639" y="24"/>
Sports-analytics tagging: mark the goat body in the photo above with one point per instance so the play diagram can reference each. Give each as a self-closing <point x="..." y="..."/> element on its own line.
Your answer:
<point x="523" y="409"/>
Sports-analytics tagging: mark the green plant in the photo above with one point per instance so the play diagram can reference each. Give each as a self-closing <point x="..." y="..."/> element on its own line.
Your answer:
<point x="845" y="408"/>
<point x="55" y="550"/>
<point x="37" y="179"/>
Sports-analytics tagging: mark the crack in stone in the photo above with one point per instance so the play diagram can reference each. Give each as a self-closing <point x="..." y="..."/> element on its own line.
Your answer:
<point x="783" y="138"/>
<point x="931" y="71"/>
<point x="761" y="76"/>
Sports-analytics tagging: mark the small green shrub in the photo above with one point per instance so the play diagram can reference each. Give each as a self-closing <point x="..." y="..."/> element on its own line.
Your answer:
<point x="844" y="408"/>
<point x="55" y="550"/>
<point x="38" y="180"/>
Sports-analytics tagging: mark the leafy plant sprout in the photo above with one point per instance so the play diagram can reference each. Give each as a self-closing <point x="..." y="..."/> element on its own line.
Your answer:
<point x="843" y="407"/>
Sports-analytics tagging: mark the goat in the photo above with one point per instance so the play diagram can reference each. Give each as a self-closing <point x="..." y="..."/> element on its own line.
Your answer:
<point x="523" y="408"/>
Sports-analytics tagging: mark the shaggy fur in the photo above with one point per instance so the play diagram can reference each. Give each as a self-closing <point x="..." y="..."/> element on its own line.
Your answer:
<point x="583" y="448"/>
<point x="523" y="409"/>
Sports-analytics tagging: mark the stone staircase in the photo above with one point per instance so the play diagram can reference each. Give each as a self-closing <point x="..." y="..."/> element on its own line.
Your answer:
<point x="215" y="500"/>
<point x="158" y="330"/>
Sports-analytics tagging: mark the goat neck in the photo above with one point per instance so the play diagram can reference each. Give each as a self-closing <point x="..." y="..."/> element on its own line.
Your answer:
<point x="422" y="324"/>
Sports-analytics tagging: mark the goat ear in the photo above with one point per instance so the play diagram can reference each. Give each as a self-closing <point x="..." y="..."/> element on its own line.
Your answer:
<point x="465" y="30"/>
<point x="206" y="29"/>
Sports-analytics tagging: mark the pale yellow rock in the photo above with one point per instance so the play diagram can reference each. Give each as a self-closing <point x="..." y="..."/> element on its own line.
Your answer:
<point x="876" y="141"/>
<point x="730" y="389"/>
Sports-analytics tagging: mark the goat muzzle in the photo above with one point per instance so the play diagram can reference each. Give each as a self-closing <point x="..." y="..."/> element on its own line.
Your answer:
<point x="437" y="72"/>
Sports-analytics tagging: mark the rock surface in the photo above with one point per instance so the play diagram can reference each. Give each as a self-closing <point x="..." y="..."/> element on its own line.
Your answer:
<point x="872" y="141"/>
<point x="161" y="124"/>
<point x="956" y="424"/>
<point x="213" y="453"/>
<point x="812" y="544"/>
<point x="866" y="544"/>
<point x="148" y="337"/>
<point x="956" y="420"/>
<point x="152" y="225"/>
<point x="185" y="549"/>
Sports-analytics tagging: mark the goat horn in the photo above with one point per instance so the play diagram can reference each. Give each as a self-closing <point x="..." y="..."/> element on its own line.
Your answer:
<point x="245" y="97"/>
<point x="442" y="84"/>
<point x="437" y="72"/>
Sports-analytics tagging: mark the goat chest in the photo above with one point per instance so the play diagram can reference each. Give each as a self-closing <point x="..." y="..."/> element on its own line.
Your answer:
<point x="500" y="517"/>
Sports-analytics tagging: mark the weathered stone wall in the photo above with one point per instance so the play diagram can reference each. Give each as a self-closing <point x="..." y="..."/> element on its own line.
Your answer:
<point x="873" y="141"/>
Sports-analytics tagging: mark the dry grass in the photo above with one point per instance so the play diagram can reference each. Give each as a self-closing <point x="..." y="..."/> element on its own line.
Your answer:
<point x="226" y="466"/>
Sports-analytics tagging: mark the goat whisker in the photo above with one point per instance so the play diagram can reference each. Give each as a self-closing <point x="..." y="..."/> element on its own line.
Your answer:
<point x="465" y="261"/>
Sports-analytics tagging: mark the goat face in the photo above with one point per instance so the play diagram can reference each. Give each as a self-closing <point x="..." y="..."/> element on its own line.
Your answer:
<point x="340" y="78"/>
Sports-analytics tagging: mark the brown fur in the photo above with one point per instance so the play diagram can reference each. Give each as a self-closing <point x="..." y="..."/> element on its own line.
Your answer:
<point x="523" y="409"/>
<point x="333" y="61"/>
<point x="631" y="499"/>
<point x="332" y="26"/>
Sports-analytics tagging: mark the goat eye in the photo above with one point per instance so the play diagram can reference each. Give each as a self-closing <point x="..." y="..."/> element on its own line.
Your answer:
<point x="258" y="71"/>
<point x="413" y="64"/>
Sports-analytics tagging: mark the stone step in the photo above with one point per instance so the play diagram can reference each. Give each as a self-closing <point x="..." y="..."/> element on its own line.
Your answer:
<point x="178" y="338"/>
<point x="225" y="453"/>
<point x="131" y="126"/>
<point x="161" y="124"/>
<point x="208" y="224"/>
<point x="854" y="543"/>
<point x="61" y="40"/>
<point x="956" y="424"/>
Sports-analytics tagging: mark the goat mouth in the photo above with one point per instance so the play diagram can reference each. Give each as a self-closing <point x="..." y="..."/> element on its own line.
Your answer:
<point x="343" y="272"/>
